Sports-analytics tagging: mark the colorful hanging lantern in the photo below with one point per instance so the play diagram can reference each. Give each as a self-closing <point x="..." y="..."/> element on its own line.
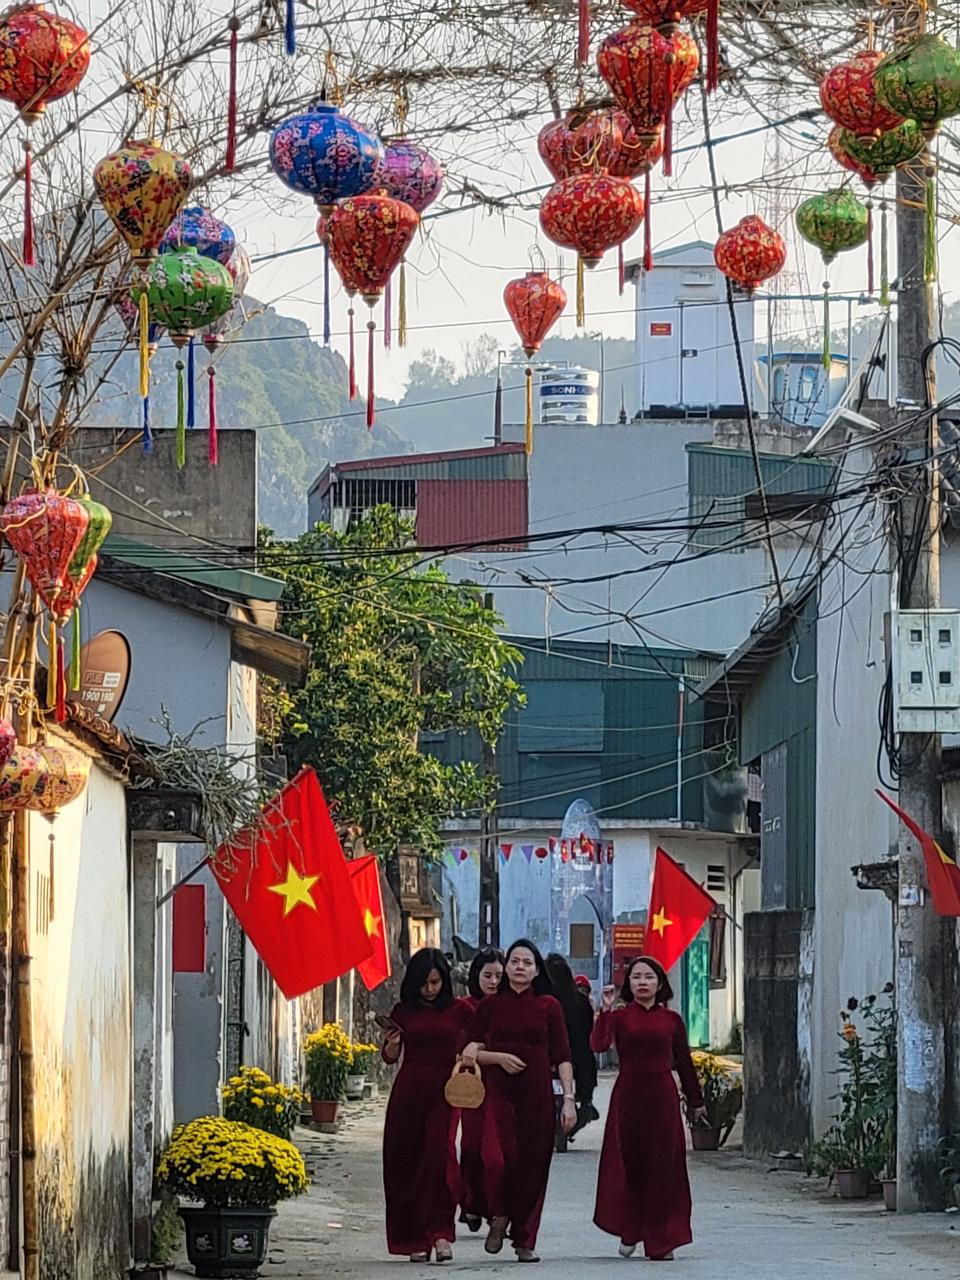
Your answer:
<point x="591" y="213"/>
<point x="129" y="313"/>
<point x="23" y="778"/>
<point x="648" y="72"/>
<point x="142" y="188"/>
<point x="921" y="81"/>
<point x="42" y="57"/>
<point x="849" y="96"/>
<point x="411" y="174"/>
<point x="196" y="228"/>
<point x="750" y="253"/>
<point x="635" y="155"/>
<point x="67" y="774"/>
<point x="666" y="16"/>
<point x="834" y="222"/>
<point x="885" y="153"/>
<point x="8" y="741"/>
<point x="535" y="303"/>
<point x="838" y="146"/>
<point x="81" y="570"/>
<point x="581" y="143"/>
<point x="324" y="154"/>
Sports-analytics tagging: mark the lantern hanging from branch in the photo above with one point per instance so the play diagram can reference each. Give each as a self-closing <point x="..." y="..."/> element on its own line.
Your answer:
<point x="581" y="143"/>
<point x="23" y="778"/>
<point x="411" y="174"/>
<point x="240" y="269"/>
<point x="67" y="773"/>
<point x="834" y="222"/>
<point x="81" y="569"/>
<point x="368" y="236"/>
<point x="838" y="144"/>
<point x="849" y="96"/>
<point x="324" y="154"/>
<point x="197" y="228"/>
<point x="648" y="72"/>
<point x="635" y="155"/>
<point x="8" y="741"/>
<point x="129" y="313"/>
<point x="750" y="253"/>
<point x="885" y="153"/>
<point x="921" y="81"/>
<point x="666" y="16"/>
<point x="534" y="302"/>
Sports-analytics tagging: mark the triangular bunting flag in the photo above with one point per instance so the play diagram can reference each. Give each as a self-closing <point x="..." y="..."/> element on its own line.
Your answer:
<point x="527" y="851"/>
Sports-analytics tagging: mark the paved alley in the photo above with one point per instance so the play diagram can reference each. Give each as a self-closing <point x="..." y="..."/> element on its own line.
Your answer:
<point x="749" y="1223"/>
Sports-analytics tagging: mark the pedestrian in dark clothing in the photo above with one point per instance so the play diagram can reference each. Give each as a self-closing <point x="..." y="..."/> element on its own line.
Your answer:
<point x="578" y="1012"/>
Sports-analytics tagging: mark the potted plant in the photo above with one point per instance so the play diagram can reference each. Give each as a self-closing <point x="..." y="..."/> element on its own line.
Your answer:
<point x="723" y="1098"/>
<point x="328" y="1055"/>
<point x="363" y="1058"/>
<point x="253" y="1098"/>
<point x="237" y="1174"/>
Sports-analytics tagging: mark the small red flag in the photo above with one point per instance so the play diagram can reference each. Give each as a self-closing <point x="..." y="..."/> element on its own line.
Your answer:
<point x="288" y="884"/>
<point x="943" y="874"/>
<point x="365" y="878"/>
<point x="678" y="910"/>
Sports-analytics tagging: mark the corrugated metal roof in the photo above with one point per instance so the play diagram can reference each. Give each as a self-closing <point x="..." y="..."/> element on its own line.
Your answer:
<point x="501" y="462"/>
<point x="450" y="512"/>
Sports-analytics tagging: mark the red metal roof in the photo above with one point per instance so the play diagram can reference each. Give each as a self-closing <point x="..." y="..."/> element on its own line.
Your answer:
<point x="450" y="512"/>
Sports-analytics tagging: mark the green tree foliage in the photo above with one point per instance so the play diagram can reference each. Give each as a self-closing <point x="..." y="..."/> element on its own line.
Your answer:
<point x="398" y="650"/>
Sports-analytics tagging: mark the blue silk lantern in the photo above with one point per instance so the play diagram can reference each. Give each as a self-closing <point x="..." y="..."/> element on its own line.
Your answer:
<point x="324" y="154"/>
<point x="196" y="228"/>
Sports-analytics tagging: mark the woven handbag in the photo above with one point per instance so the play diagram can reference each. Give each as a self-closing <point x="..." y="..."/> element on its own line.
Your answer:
<point x="464" y="1089"/>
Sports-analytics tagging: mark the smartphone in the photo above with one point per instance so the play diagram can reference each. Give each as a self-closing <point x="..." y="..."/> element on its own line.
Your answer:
<point x="385" y="1023"/>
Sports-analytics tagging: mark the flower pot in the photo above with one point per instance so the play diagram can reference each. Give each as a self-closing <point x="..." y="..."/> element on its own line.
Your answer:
<point x="225" y="1243"/>
<point x="852" y="1184"/>
<point x="355" y="1087"/>
<point x="324" y="1112"/>
<point x="889" y="1194"/>
<point x="705" y="1138"/>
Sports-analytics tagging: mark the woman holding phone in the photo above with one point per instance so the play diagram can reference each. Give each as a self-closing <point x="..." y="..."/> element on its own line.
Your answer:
<point x="483" y="980"/>
<point x="520" y="1035"/>
<point x="643" y="1192"/>
<point x="421" y="1177"/>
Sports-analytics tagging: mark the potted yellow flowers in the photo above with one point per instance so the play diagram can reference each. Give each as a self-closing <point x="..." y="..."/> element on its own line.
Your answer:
<point x="328" y="1054"/>
<point x="722" y="1097"/>
<point x="253" y="1098"/>
<point x="235" y="1174"/>
<point x="360" y="1068"/>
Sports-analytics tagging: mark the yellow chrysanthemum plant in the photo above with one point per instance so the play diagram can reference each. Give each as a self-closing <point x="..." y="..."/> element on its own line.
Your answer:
<point x="328" y="1058"/>
<point x="225" y="1164"/>
<point x="364" y="1056"/>
<point x="722" y="1089"/>
<point x="253" y="1098"/>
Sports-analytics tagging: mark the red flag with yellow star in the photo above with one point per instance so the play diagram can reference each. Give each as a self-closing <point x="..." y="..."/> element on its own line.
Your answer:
<point x="288" y="884"/>
<point x="678" y="911"/>
<point x="943" y="874"/>
<point x="365" y="876"/>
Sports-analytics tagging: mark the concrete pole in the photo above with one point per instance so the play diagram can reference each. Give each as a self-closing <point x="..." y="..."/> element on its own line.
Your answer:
<point x="919" y="935"/>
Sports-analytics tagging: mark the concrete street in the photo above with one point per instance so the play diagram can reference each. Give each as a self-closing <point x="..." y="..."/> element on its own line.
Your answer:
<point x="749" y="1223"/>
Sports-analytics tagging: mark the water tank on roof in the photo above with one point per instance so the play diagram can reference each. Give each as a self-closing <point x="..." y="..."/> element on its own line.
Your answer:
<point x="568" y="393"/>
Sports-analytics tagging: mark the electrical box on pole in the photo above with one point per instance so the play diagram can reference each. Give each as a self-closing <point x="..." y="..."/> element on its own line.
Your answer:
<point x="926" y="670"/>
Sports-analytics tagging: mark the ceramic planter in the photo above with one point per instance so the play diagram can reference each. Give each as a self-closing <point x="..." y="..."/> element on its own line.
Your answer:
<point x="324" y="1112"/>
<point x="224" y="1243"/>
<point x="705" y="1138"/>
<point x="852" y="1184"/>
<point x="355" y="1087"/>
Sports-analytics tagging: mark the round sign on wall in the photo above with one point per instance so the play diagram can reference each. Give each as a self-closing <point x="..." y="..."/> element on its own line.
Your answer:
<point x="104" y="674"/>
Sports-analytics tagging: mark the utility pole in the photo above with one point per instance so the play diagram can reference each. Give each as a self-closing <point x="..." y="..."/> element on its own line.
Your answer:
<point x="488" y="932"/>
<point x="919" y="959"/>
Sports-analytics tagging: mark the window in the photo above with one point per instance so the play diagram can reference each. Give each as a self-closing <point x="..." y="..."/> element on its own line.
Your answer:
<point x="779" y="385"/>
<point x="582" y="941"/>
<point x="718" y="949"/>
<point x="809" y="383"/>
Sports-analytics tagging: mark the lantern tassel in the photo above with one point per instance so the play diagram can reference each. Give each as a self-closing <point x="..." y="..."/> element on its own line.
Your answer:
<point x="147" y="433"/>
<point x="668" y="125"/>
<point x="61" y="714"/>
<point x="713" y="45"/>
<point x="581" y="299"/>
<point x="870" y="248"/>
<point x="326" y="294"/>
<point x="583" y="32"/>
<point x="212" y="448"/>
<point x="181" y="421"/>
<point x="528" y="435"/>
<point x="290" y="30"/>
<point x="884" y="254"/>
<point x="191" y="393"/>
<point x="621" y="270"/>
<point x="647" y="228"/>
<point x="52" y="665"/>
<point x="402" y="307"/>
<point x="371" y="402"/>
<point x="352" y="363"/>
<point x="827" y="356"/>
<point x="75" y="649"/>
<point x="387" y="308"/>
<point x="28" y="256"/>
<point x="144" y="322"/>
<point x="231" y="160"/>
<point x="930" y="240"/>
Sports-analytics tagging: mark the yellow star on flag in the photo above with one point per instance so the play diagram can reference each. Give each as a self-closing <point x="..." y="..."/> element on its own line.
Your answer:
<point x="295" y="889"/>
<point x="660" y="922"/>
<point x="371" y="923"/>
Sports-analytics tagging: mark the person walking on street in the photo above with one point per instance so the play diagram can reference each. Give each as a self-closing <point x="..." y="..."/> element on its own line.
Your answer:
<point x="421" y="1176"/>
<point x="521" y="1036"/>
<point x="483" y="980"/>
<point x="643" y="1192"/>
<point x="578" y="1012"/>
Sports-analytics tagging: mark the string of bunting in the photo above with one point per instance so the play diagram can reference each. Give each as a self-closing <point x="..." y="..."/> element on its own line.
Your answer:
<point x="573" y="849"/>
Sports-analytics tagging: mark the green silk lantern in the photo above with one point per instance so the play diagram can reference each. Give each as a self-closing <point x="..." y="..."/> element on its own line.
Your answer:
<point x="885" y="153"/>
<point x="834" y="221"/>
<point x="80" y="570"/>
<point x="186" y="292"/>
<point x="921" y="80"/>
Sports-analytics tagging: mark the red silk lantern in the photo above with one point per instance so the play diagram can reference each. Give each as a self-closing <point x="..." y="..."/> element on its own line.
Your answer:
<point x="42" y="57"/>
<point x="666" y="16"/>
<point x="869" y="176"/>
<point x="534" y="302"/>
<point x="581" y="143"/>
<point x="750" y="253"/>
<point x="648" y="72"/>
<point x="591" y="213"/>
<point x="636" y="155"/>
<point x="848" y="96"/>
<point x="45" y="531"/>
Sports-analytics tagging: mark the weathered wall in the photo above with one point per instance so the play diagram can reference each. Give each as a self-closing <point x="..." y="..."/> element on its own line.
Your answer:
<point x="81" y="990"/>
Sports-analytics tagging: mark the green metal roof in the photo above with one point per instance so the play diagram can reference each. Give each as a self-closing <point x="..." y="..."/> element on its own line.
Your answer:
<point x="245" y="584"/>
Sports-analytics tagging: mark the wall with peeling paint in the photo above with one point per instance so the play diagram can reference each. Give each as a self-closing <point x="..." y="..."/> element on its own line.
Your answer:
<point x="80" y="942"/>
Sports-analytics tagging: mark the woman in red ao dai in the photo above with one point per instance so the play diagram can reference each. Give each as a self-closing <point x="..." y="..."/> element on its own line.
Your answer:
<point x="484" y="978"/>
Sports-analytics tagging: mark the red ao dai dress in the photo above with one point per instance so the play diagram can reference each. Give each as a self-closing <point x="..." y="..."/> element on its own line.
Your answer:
<point x="472" y="1194"/>
<point x="643" y="1192"/>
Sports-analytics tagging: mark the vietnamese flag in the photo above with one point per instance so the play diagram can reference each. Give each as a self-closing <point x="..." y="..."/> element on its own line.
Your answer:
<point x="288" y="884"/>
<point x="678" y="910"/>
<point x="943" y="874"/>
<point x="365" y="878"/>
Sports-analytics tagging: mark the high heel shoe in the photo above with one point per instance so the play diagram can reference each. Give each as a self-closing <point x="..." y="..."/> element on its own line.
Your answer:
<point x="496" y="1235"/>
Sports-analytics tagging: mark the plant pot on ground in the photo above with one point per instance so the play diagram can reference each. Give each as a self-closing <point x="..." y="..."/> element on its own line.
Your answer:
<point x="328" y="1060"/>
<point x="705" y="1137"/>
<point x="323" y="1111"/>
<point x="238" y="1173"/>
<point x="889" y="1194"/>
<point x="852" y="1184"/>
<point x="354" y="1087"/>
<point x="723" y="1098"/>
